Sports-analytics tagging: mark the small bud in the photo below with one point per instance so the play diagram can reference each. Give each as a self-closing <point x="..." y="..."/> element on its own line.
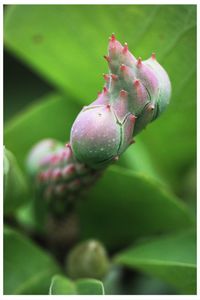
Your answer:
<point x="88" y="260"/>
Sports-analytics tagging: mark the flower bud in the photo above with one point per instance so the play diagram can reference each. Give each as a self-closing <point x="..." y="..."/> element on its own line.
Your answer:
<point x="88" y="260"/>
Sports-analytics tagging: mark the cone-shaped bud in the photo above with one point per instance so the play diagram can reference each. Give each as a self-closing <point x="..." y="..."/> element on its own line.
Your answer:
<point x="88" y="260"/>
<point x="57" y="173"/>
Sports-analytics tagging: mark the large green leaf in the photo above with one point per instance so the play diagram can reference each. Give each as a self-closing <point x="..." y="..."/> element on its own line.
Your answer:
<point x="171" y="258"/>
<point x="61" y="285"/>
<point x="27" y="268"/>
<point x="52" y="117"/>
<point x="125" y="205"/>
<point x="66" y="43"/>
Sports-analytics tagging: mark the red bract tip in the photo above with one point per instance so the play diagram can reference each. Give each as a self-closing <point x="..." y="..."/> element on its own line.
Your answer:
<point x="114" y="77"/>
<point x="123" y="93"/>
<point x="136" y="82"/>
<point x="99" y="93"/>
<point x="105" y="90"/>
<point x="112" y="38"/>
<point x="106" y="77"/>
<point x="122" y="67"/>
<point x="70" y="169"/>
<point x="107" y="58"/>
<point x="54" y="159"/>
<point x="108" y="106"/>
<point x="125" y="49"/>
<point x="153" y="55"/>
<point x="68" y="145"/>
<point x="132" y="118"/>
<point x="139" y="62"/>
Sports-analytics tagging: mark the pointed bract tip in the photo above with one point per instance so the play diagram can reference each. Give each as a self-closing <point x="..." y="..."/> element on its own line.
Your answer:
<point x="125" y="49"/>
<point x="108" y="106"/>
<point x="106" y="77"/>
<point x="68" y="145"/>
<point x="114" y="77"/>
<point x="99" y="93"/>
<point x="112" y="38"/>
<point x="122" y="67"/>
<point x="105" y="90"/>
<point x="123" y="93"/>
<point x="132" y="118"/>
<point x="136" y="83"/>
<point x="139" y="62"/>
<point x="153" y="55"/>
<point x="54" y="159"/>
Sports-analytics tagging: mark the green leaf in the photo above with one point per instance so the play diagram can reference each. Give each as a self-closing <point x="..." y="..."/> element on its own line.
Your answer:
<point x="89" y="287"/>
<point x="171" y="258"/>
<point x="125" y="205"/>
<point x="61" y="285"/>
<point x="15" y="185"/>
<point x="51" y="116"/>
<point x="27" y="268"/>
<point x="138" y="158"/>
<point x="74" y="58"/>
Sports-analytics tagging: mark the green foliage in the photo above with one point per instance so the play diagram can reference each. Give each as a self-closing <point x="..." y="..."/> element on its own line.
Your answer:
<point x="15" y="185"/>
<point x="27" y="268"/>
<point x="136" y="199"/>
<point x="61" y="285"/>
<point x="172" y="258"/>
<point x="125" y="205"/>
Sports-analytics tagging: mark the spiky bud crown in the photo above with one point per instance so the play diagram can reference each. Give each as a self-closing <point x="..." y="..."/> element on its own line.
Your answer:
<point x="136" y="92"/>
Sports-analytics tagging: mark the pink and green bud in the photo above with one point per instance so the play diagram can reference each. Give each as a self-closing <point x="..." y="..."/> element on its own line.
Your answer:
<point x="41" y="154"/>
<point x="58" y="175"/>
<point x="136" y="92"/>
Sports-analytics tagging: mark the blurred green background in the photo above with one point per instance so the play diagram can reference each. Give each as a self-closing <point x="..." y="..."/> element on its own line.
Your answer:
<point x="53" y="63"/>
